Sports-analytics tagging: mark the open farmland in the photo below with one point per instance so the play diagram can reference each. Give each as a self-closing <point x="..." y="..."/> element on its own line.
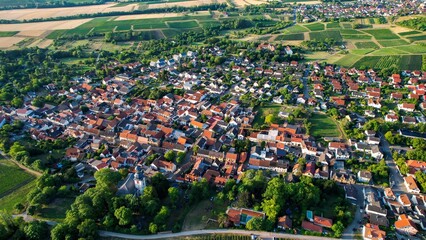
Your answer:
<point x="291" y="37"/>
<point x="381" y="34"/>
<point x="322" y="35"/>
<point x="315" y="26"/>
<point x="12" y="177"/>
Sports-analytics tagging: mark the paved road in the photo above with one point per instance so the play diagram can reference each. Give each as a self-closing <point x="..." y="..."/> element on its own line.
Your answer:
<point x="269" y="235"/>
<point x="349" y="233"/>
<point x="396" y="180"/>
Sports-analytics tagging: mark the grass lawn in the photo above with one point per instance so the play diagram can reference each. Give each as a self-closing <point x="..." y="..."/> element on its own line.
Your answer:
<point x="380" y="34"/>
<point x="262" y="112"/>
<point x="57" y="209"/>
<point x="194" y="218"/>
<point x="315" y="26"/>
<point x="393" y="43"/>
<point x="323" y="126"/>
<point x="12" y="177"/>
<point x="18" y="196"/>
<point x="366" y="45"/>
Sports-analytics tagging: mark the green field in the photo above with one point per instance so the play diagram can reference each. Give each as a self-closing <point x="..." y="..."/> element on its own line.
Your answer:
<point x="382" y="34"/>
<point x="264" y="111"/>
<point x="351" y="32"/>
<point x="367" y="61"/>
<point x="393" y="43"/>
<point x="411" y="62"/>
<point x="366" y="45"/>
<point x="321" y="36"/>
<point x="347" y="25"/>
<point x="183" y="24"/>
<point x="413" y="48"/>
<point x="296" y="29"/>
<point x="348" y="60"/>
<point x="18" y="196"/>
<point x="7" y="34"/>
<point x="417" y="38"/>
<point x="315" y="26"/>
<point x="323" y="126"/>
<point x="333" y="25"/>
<point x="12" y="177"/>
<point x="357" y="37"/>
<point x="362" y="51"/>
<point x="56" y="210"/>
<point x="294" y="36"/>
<point x="402" y="62"/>
<point x="409" y="33"/>
<point x="388" y="51"/>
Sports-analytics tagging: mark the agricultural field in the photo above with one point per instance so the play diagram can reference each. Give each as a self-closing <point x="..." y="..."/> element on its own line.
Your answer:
<point x="296" y="29"/>
<point x="382" y="34"/>
<point x="12" y="177"/>
<point x="356" y="37"/>
<point x="321" y="36"/>
<point x="348" y="60"/>
<point x="393" y="43"/>
<point x="409" y="33"/>
<point x="8" y="34"/>
<point x="333" y="25"/>
<point x="417" y="38"/>
<point x="291" y="37"/>
<point x="323" y="126"/>
<point x="366" y="45"/>
<point x="405" y="62"/>
<point x="182" y="24"/>
<point x="315" y="26"/>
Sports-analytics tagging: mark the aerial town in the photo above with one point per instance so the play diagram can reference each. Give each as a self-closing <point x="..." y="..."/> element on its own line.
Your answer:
<point x="213" y="119"/>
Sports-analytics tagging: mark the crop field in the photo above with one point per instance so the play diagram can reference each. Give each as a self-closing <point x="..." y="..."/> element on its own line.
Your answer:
<point x="382" y="34"/>
<point x="417" y="38"/>
<point x="411" y="62"/>
<point x="8" y="202"/>
<point x="290" y="37"/>
<point x="183" y="24"/>
<point x="366" y="45"/>
<point x="12" y="177"/>
<point x="413" y="48"/>
<point x="296" y="29"/>
<point x="8" y="34"/>
<point x="409" y="33"/>
<point x="393" y="43"/>
<point x="315" y="26"/>
<point x="333" y="25"/>
<point x="350" y="32"/>
<point x="402" y="62"/>
<point x="357" y="37"/>
<point x="347" y="25"/>
<point x="348" y="60"/>
<point x="323" y="126"/>
<point x="320" y="36"/>
<point x="388" y="51"/>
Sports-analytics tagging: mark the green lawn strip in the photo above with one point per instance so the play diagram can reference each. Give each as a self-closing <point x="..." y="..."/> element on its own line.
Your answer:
<point x="323" y="126"/>
<point x="263" y="111"/>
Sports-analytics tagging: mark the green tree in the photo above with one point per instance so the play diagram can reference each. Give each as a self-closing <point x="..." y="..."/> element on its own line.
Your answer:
<point x="255" y="224"/>
<point x="36" y="230"/>
<point x="173" y="196"/>
<point x="161" y="185"/>
<point x="153" y="228"/>
<point x="123" y="215"/>
<point x="170" y="155"/>
<point x="338" y="229"/>
<point x="107" y="178"/>
<point x="88" y="229"/>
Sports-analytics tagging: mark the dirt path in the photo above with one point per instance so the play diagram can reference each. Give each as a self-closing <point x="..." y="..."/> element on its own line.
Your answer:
<point x="26" y="169"/>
